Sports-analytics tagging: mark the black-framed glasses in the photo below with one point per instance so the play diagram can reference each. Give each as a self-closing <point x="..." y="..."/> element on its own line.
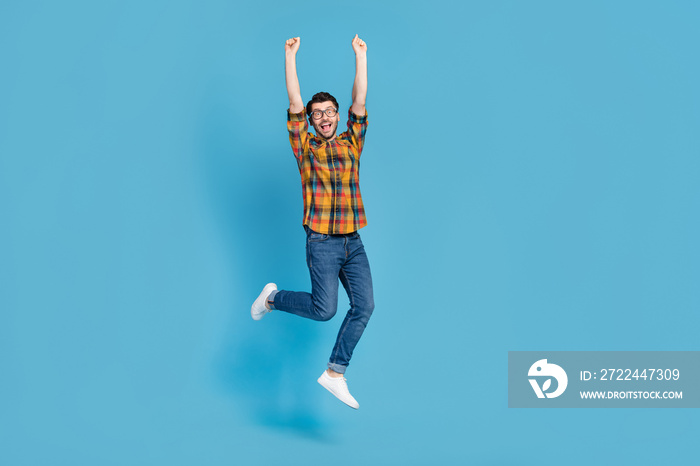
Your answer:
<point x="318" y="114"/>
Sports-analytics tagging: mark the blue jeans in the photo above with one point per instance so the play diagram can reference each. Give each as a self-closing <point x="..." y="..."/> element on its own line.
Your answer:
<point x="330" y="257"/>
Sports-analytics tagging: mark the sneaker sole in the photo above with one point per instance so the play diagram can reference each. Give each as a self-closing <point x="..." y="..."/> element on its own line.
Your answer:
<point x="260" y="302"/>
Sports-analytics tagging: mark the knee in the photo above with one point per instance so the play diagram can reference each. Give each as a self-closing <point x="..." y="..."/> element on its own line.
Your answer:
<point x="324" y="313"/>
<point x="326" y="316"/>
<point x="365" y="307"/>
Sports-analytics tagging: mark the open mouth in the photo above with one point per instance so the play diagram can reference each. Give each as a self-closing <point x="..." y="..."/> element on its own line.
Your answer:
<point x="325" y="127"/>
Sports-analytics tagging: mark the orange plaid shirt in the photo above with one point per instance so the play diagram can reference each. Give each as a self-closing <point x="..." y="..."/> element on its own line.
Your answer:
<point x="330" y="174"/>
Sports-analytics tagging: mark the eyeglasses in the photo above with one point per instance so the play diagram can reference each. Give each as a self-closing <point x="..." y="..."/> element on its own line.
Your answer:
<point x="318" y="114"/>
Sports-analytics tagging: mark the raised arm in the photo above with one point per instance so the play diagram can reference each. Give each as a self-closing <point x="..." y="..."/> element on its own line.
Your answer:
<point x="296" y="105"/>
<point x="359" y="89"/>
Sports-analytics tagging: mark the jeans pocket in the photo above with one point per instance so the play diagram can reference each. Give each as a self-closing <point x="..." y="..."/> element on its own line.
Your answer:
<point x="316" y="237"/>
<point x="308" y="255"/>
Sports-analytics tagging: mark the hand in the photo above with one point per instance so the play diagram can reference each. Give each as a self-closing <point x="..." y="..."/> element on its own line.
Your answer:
<point x="292" y="45"/>
<point x="359" y="46"/>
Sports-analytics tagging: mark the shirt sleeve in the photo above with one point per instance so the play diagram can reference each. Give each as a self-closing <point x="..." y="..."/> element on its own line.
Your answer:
<point x="357" y="127"/>
<point x="298" y="132"/>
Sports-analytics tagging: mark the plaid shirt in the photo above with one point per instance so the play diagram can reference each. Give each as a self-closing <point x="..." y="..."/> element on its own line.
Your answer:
<point x="330" y="177"/>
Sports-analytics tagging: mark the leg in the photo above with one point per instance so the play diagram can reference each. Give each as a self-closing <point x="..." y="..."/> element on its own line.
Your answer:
<point x="356" y="277"/>
<point x="325" y="255"/>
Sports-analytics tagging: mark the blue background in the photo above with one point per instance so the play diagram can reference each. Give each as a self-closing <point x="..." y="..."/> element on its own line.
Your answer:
<point x="531" y="182"/>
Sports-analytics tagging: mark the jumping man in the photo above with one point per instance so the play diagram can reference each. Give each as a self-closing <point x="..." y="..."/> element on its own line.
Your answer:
<point x="333" y="213"/>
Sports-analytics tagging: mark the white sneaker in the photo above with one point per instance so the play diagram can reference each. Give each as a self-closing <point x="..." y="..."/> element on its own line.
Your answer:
<point x="258" y="309"/>
<point x="339" y="387"/>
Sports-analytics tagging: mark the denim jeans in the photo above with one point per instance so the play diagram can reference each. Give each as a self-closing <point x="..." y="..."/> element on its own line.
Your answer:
<point x="330" y="257"/>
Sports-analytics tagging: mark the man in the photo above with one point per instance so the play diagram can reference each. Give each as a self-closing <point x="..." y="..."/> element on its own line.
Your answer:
<point x="333" y="212"/>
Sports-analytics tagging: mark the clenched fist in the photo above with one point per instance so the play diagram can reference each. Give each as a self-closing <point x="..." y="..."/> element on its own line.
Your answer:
<point x="359" y="46"/>
<point x="292" y="45"/>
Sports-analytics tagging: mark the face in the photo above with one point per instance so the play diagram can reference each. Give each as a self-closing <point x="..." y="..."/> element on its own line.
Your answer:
<point x="325" y="126"/>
